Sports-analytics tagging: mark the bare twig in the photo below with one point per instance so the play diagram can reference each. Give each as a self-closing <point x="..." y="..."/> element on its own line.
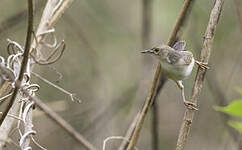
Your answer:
<point x="25" y="58"/>
<point x="205" y="54"/>
<point x="71" y="95"/>
<point x="152" y="93"/>
<point x="66" y="126"/>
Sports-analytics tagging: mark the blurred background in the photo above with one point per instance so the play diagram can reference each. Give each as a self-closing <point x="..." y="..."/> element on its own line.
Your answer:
<point x="103" y="66"/>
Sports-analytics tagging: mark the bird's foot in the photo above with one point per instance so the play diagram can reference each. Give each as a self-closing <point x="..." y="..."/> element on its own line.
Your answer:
<point x="202" y="65"/>
<point x="190" y="105"/>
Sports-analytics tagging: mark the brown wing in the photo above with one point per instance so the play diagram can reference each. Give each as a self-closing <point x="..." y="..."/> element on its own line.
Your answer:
<point x="179" y="46"/>
<point x="173" y="57"/>
<point x="187" y="57"/>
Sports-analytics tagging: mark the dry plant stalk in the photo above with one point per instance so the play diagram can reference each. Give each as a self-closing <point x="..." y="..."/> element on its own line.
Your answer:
<point x="25" y="59"/>
<point x="205" y="54"/>
<point x="152" y="93"/>
<point x="65" y="125"/>
<point x="50" y="16"/>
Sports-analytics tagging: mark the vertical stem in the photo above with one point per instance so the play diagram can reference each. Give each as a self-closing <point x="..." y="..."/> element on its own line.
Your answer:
<point x="152" y="93"/>
<point x="25" y="59"/>
<point x="205" y="54"/>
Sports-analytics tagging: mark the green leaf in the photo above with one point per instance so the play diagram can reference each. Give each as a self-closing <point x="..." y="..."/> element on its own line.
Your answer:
<point x="234" y="108"/>
<point x="236" y="125"/>
<point x="238" y="89"/>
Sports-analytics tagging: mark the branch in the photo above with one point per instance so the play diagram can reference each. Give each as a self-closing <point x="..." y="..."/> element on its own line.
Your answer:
<point x="152" y="93"/>
<point x="62" y="123"/>
<point x="205" y="54"/>
<point x="24" y="61"/>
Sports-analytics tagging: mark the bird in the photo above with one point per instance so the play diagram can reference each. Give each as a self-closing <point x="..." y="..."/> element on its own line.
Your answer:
<point x="177" y="64"/>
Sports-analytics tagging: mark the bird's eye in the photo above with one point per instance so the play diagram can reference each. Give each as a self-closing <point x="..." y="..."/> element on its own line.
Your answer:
<point x="156" y="50"/>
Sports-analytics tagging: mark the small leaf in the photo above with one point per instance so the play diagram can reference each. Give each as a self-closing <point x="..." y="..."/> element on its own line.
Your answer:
<point x="235" y="108"/>
<point x="238" y="89"/>
<point x="236" y="125"/>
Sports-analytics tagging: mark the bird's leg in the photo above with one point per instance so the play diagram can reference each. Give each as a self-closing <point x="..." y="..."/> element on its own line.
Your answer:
<point x="202" y="64"/>
<point x="188" y="104"/>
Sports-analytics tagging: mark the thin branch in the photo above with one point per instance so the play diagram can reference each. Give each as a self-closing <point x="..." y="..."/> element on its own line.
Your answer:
<point x="25" y="58"/>
<point x="62" y="123"/>
<point x="152" y="93"/>
<point x="71" y="95"/>
<point x="205" y="54"/>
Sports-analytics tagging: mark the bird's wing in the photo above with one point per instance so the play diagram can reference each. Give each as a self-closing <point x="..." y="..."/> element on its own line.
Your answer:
<point x="187" y="57"/>
<point x="179" y="57"/>
<point x="179" y="46"/>
<point x="173" y="57"/>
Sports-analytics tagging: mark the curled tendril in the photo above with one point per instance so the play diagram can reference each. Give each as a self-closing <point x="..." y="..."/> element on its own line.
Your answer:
<point x="53" y="45"/>
<point x="32" y="87"/>
<point x="22" y="139"/>
<point x="26" y="110"/>
<point x="2" y="60"/>
<point x="12" y="45"/>
<point x="47" y="62"/>
<point x="7" y="73"/>
<point x="26" y="77"/>
<point x="13" y="58"/>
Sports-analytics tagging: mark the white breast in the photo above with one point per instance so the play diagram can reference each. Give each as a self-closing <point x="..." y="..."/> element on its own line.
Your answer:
<point x="177" y="72"/>
<point x="189" y="68"/>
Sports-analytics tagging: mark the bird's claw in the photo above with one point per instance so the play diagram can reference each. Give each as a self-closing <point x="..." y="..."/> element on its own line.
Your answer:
<point x="202" y="65"/>
<point x="190" y="105"/>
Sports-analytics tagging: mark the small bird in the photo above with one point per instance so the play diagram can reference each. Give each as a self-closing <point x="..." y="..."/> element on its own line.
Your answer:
<point x="177" y="64"/>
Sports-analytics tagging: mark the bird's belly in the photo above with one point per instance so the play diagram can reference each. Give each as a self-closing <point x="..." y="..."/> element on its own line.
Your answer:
<point x="177" y="72"/>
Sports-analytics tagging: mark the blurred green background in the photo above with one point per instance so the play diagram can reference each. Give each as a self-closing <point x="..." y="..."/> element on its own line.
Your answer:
<point x="104" y="67"/>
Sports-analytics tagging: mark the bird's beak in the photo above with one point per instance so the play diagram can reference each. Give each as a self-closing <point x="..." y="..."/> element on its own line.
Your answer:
<point x="147" y="51"/>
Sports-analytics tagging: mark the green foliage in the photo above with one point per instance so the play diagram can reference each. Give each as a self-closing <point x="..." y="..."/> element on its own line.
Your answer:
<point x="237" y="125"/>
<point x="233" y="109"/>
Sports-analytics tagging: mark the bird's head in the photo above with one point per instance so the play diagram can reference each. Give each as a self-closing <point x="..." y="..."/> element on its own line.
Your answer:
<point x="159" y="52"/>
